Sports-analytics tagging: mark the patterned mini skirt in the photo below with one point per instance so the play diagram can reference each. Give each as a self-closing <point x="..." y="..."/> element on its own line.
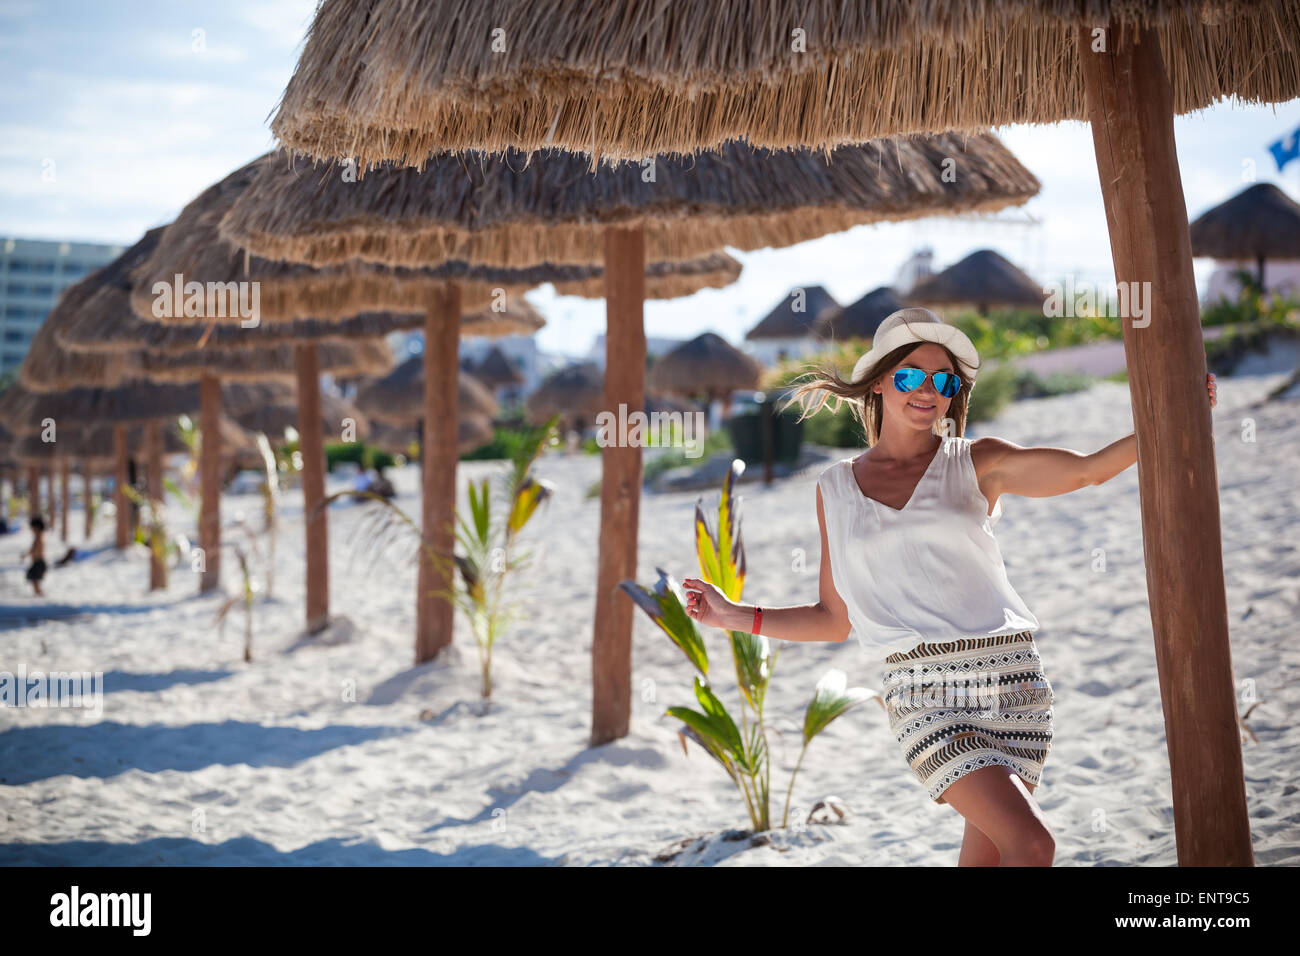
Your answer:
<point x="960" y="706"/>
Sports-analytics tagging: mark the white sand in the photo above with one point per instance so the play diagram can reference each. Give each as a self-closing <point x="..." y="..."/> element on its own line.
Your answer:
<point x="277" y="767"/>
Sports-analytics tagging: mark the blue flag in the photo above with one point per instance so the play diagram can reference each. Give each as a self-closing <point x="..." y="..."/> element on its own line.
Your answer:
<point x="1286" y="149"/>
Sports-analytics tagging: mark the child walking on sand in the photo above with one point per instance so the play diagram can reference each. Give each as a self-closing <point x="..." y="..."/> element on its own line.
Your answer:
<point x="37" y="554"/>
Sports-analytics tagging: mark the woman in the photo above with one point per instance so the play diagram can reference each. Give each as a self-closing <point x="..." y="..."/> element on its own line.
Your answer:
<point x="911" y="568"/>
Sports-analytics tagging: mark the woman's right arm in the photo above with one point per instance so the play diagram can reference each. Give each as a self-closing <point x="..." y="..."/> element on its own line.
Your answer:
<point x="827" y="620"/>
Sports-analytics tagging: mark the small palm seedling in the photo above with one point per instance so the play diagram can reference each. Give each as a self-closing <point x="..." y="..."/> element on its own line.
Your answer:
<point x="153" y="533"/>
<point x="741" y="750"/>
<point x="270" y="500"/>
<point x="487" y="538"/>
<point x="243" y="550"/>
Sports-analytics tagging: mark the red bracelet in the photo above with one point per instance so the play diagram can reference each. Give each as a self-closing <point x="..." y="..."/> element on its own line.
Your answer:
<point x="758" y="620"/>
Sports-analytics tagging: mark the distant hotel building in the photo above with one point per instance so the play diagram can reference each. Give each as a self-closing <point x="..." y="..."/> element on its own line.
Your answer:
<point x="32" y="274"/>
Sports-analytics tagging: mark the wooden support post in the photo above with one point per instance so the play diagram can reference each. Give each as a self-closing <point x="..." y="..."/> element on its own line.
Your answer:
<point x="120" y="480"/>
<point x="63" y="497"/>
<point x="312" y="447"/>
<point x="210" y="482"/>
<point x="154" y="449"/>
<point x="434" y="615"/>
<point x="86" y="476"/>
<point x="33" y="491"/>
<point x="49" y="497"/>
<point x="1131" y="110"/>
<point x="620" y="484"/>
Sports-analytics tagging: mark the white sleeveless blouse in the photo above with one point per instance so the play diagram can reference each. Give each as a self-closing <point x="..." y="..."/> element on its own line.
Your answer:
<point x="930" y="573"/>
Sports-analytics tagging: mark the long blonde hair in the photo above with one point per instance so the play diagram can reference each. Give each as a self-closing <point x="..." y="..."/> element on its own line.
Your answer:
<point x="824" y="383"/>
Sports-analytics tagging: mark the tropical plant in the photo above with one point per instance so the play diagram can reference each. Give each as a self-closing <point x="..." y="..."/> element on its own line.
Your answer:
<point x="152" y="531"/>
<point x="488" y="540"/>
<point x="247" y="588"/>
<point x="270" y="502"/>
<point x="743" y="750"/>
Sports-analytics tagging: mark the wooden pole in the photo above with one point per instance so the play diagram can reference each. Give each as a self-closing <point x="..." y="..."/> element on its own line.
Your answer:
<point x="210" y="482"/>
<point x="120" y="480"/>
<point x="63" y="495"/>
<point x="49" y="497"/>
<point x="434" y="615"/>
<point x="33" y="491"/>
<point x="312" y="446"/>
<point x="154" y="449"/>
<point x="86" y="496"/>
<point x="620" y="484"/>
<point x="1131" y="110"/>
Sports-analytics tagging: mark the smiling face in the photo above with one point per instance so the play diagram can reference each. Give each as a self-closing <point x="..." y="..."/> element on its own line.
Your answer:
<point x="921" y="408"/>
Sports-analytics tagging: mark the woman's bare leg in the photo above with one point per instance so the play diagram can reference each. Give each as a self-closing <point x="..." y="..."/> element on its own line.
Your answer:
<point x="1002" y="809"/>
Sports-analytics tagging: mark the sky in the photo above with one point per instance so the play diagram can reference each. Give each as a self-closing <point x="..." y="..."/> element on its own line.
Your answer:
<point x="114" y="114"/>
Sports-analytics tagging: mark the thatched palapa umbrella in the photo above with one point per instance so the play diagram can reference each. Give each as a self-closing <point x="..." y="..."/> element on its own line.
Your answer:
<point x="794" y="316"/>
<point x="517" y="211"/>
<point x="575" y="392"/>
<point x="1259" y="223"/>
<point x="983" y="279"/>
<point x="495" y="371"/>
<point x="858" y="319"/>
<point x="553" y="209"/>
<point x="378" y="80"/>
<point x="193" y="249"/>
<point x="707" y="365"/>
<point x="101" y="326"/>
<point x="625" y="85"/>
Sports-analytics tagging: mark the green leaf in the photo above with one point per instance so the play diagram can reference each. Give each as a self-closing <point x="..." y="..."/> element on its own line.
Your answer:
<point x="752" y="653"/>
<point x="829" y="701"/>
<point x="665" y="607"/>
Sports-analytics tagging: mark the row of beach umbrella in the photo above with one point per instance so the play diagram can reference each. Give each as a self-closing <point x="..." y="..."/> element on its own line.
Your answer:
<point x="378" y="82"/>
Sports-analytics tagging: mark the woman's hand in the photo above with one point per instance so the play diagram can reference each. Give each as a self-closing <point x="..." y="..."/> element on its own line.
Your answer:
<point x="1209" y="380"/>
<point x="706" y="603"/>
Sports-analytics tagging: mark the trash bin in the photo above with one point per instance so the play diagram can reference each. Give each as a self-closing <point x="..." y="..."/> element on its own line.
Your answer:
<point x="746" y="431"/>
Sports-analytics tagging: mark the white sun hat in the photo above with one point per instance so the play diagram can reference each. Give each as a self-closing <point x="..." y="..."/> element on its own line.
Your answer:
<point x="919" y="325"/>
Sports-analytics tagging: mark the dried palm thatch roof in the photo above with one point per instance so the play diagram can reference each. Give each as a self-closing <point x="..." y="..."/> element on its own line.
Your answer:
<point x="518" y="210"/>
<point x="399" y="395"/>
<point x="982" y="279"/>
<point x="667" y="280"/>
<point x="578" y="389"/>
<point x="472" y="431"/>
<point x="859" y="319"/>
<point x="794" y="316"/>
<point x="95" y="443"/>
<point x="1260" y="222"/>
<point x="518" y="317"/>
<point x="495" y="370"/>
<point x="25" y="411"/>
<point x="192" y="248"/>
<point x="377" y="79"/>
<point x="274" y="417"/>
<point x="50" y="367"/>
<point x="707" y="363"/>
<point x="342" y="359"/>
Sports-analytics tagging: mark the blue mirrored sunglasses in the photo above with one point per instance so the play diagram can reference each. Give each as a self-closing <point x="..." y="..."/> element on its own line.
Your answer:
<point x="910" y="379"/>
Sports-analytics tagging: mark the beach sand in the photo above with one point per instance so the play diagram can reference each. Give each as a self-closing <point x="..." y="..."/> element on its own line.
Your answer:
<point x="338" y="751"/>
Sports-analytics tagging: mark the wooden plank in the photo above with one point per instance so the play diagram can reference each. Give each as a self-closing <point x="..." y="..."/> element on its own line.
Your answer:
<point x="1131" y="111"/>
<point x="210" y="482"/>
<point x="312" y="447"/>
<point x="120" y="480"/>
<point x="435" y="616"/>
<point x="620" y="484"/>
<point x="154" y="450"/>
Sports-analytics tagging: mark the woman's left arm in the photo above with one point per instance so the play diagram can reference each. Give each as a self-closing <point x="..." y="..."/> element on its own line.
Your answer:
<point x="1004" y="466"/>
